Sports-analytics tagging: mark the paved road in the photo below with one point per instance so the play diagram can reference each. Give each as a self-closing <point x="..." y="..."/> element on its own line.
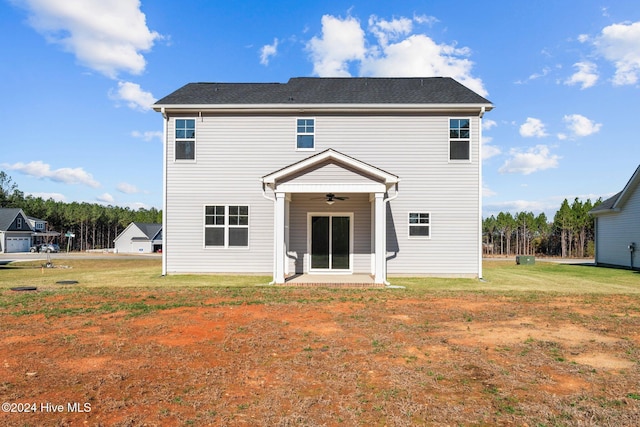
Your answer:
<point x="550" y="259"/>
<point x="27" y="256"/>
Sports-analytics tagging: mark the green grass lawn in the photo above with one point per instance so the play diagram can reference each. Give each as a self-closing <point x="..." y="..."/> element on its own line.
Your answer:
<point x="499" y="276"/>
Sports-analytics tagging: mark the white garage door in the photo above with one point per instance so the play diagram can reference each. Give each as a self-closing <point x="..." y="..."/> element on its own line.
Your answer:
<point x="18" y="244"/>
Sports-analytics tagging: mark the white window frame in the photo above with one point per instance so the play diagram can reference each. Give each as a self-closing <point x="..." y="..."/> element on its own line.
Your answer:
<point x="450" y="139"/>
<point x="178" y="140"/>
<point x="313" y="134"/>
<point x="427" y="224"/>
<point x="19" y="223"/>
<point x="226" y="226"/>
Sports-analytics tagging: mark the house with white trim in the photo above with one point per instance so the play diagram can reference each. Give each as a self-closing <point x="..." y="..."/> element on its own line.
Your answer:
<point x="617" y="227"/>
<point x="378" y="176"/>
<point x="15" y="231"/>
<point x="139" y="238"/>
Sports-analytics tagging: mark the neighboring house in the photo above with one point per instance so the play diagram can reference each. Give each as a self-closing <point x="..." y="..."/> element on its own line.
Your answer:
<point x="41" y="233"/>
<point x="15" y="231"/>
<point x="139" y="237"/>
<point x="617" y="227"/>
<point x="324" y="175"/>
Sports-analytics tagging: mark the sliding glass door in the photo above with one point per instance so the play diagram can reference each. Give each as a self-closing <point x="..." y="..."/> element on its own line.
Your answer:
<point x="330" y="240"/>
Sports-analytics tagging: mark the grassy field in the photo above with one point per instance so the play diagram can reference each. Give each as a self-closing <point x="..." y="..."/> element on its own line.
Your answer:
<point x="499" y="276"/>
<point x="540" y="345"/>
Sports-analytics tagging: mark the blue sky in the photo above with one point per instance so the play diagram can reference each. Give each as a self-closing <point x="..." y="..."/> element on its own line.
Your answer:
<point x="78" y="78"/>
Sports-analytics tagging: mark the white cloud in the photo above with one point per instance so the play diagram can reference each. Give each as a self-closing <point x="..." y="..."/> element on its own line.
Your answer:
<point x="488" y="124"/>
<point x="532" y="160"/>
<point x="105" y="198"/>
<point x="392" y="52"/>
<point x="489" y="151"/>
<point x="425" y="19"/>
<point x="107" y="36"/>
<point x="147" y="135"/>
<point x="126" y="188"/>
<point x="487" y="192"/>
<point x="342" y="41"/>
<point x="535" y="76"/>
<point x="533" y="127"/>
<point x="268" y="51"/>
<point x="586" y="76"/>
<point x="581" y="126"/>
<point x="515" y="206"/>
<point x="620" y="44"/>
<point x="134" y="96"/>
<point x="385" y="30"/>
<point x="39" y="169"/>
<point x="58" y="197"/>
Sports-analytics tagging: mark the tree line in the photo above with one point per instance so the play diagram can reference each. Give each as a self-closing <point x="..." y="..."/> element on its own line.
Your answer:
<point x="95" y="226"/>
<point x="570" y="234"/>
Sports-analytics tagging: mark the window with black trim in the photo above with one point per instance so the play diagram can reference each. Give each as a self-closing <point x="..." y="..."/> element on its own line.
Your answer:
<point x="459" y="139"/>
<point x="226" y="226"/>
<point x="185" y="139"/>
<point x="419" y="225"/>
<point x="305" y="134"/>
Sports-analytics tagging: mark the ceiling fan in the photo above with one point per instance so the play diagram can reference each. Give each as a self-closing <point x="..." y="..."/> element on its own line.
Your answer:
<point x="331" y="198"/>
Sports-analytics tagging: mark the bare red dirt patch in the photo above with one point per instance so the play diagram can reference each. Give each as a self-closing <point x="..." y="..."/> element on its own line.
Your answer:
<point x="317" y="357"/>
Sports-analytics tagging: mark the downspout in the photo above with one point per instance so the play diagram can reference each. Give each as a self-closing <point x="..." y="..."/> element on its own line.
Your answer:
<point x="264" y="194"/>
<point x="482" y="111"/>
<point x="164" y="190"/>
<point x="385" y="201"/>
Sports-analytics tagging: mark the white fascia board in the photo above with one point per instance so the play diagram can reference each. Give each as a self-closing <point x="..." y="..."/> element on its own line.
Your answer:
<point x="633" y="184"/>
<point x="333" y="155"/>
<point x="290" y="187"/>
<point x="325" y="108"/>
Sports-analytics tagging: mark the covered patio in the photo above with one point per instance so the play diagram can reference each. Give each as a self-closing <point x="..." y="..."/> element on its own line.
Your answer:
<point x="315" y="235"/>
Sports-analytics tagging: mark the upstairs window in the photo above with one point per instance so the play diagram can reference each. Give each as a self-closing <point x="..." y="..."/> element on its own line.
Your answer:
<point x="185" y="139"/>
<point x="305" y="133"/>
<point x="459" y="140"/>
<point x="419" y="225"/>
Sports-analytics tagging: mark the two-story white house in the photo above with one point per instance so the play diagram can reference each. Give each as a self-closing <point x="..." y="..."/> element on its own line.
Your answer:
<point x="324" y="176"/>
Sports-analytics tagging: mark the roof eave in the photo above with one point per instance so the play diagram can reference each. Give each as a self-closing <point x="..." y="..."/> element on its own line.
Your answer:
<point x="633" y="182"/>
<point x="325" y="108"/>
<point x="329" y="154"/>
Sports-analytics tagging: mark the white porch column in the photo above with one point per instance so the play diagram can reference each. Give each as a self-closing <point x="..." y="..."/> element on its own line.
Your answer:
<point x="380" y="239"/>
<point x="278" y="273"/>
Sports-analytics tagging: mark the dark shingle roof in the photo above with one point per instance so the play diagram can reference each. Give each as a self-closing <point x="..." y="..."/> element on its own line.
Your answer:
<point x="315" y="90"/>
<point x="149" y="229"/>
<point x="607" y="204"/>
<point x="618" y="200"/>
<point x="7" y="215"/>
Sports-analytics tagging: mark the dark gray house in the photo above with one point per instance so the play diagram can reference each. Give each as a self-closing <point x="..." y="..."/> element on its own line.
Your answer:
<point x="15" y="231"/>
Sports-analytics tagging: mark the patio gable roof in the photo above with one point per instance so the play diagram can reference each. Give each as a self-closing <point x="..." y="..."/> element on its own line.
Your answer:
<point x="293" y="176"/>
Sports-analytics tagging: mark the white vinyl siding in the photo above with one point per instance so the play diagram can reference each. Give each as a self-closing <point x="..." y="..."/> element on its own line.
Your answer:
<point x="414" y="147"/>
<point x="615" y="231"/>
